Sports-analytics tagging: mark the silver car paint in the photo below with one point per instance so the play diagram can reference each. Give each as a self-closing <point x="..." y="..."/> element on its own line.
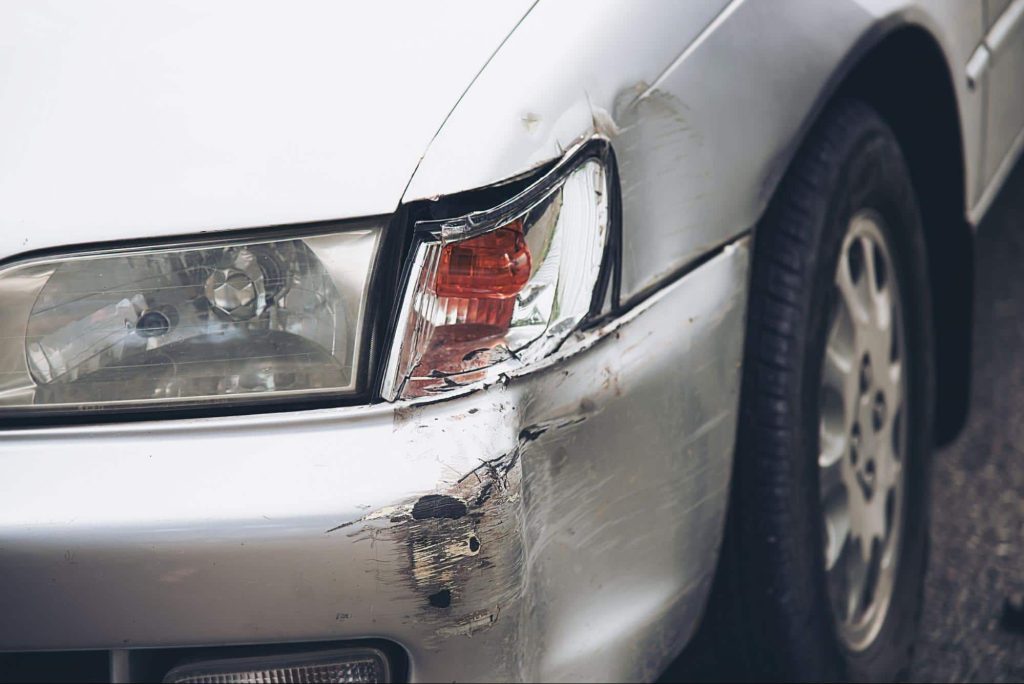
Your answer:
<point x="594" y="487"/>
<point x="704" y="135"/>
<point x="594" y="547"/>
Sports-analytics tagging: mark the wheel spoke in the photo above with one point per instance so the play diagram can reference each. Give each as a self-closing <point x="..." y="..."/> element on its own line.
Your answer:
<point x="839" y="367"/>
<point x="893" y="473"/>
<point x="892" y="385"/>
<point x="833" y="449"/>
<point x="876" y="285"/>
<point x="838" y="377"/>
<point x="887" y="458"/>
<point x="837" y="525"/>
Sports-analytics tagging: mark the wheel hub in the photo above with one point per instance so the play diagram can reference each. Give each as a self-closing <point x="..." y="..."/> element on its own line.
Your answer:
<point x="862" y="434"/>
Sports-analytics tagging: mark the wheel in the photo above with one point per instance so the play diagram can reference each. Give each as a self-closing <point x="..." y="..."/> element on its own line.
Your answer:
<point x="822" y="568"/>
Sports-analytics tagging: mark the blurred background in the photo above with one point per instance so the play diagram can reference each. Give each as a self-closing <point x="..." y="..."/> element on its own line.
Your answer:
<point x="973" y="623"/>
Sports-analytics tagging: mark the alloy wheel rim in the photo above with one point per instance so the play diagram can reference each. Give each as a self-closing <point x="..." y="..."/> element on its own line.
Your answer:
<point x="863" y="433"/>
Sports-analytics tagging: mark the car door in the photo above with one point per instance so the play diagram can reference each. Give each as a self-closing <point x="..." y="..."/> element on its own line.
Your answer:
<point x="1004" y="118"/>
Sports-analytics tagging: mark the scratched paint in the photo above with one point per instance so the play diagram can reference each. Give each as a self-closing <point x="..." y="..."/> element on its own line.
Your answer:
<point x="667" y="171"/>
<point x="608" y="499"/>
<point x="463" y="547"/>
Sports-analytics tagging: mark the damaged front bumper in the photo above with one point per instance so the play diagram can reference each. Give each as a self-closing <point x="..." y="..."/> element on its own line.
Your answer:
<point x="562" y="524"/>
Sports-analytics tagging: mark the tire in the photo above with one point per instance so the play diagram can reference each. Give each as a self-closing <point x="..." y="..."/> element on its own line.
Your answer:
<point x="771" y="614"/>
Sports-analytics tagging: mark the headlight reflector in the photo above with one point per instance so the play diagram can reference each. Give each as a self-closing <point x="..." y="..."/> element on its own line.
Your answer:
<point x="209" y="321"/>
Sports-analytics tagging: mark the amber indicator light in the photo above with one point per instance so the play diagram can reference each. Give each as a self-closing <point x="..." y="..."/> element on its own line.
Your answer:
<point x="495" y="265"/>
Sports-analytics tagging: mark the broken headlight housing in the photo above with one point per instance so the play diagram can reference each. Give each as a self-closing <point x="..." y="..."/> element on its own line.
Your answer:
<point x="206" y="322"/>
<point x="494" y="290"/>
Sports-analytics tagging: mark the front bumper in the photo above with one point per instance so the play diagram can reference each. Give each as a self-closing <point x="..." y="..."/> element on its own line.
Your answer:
<point x="561" y="525"/>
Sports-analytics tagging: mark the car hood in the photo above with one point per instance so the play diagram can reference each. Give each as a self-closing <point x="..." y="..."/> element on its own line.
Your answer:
<point x="131" y="120"/>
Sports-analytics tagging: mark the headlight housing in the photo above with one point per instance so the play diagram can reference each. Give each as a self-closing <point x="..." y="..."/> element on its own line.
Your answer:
<point x="235" y="320"/>
<point x="494" y="290"/>
<point x="213" y="321"/>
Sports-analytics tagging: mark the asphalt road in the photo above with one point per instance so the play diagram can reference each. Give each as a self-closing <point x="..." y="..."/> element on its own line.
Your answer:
<point x="977" y="557"/>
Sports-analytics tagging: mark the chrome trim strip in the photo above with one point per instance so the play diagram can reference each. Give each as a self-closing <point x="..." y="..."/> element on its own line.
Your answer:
<point x="477" y="222"/>
<point x="994" y="41"/>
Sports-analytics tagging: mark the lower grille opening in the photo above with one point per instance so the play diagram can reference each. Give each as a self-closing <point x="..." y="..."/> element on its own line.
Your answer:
<point x="310" y="661"/>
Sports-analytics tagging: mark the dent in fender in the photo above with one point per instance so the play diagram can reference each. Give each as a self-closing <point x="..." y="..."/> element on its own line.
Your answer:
<point x="603" y="518"/>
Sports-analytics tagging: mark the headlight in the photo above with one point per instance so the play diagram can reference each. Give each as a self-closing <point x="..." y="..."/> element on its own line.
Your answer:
<point x="498" y="289"/>
<point x="212" y="321"/>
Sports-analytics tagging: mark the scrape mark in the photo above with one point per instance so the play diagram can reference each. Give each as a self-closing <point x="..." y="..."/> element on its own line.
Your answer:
<point x="603" y="122"/>
<point x="528" y="434"/>
<point x="485" y="493"/>
<point x="533" y="432"/>
<point x="471" y="623"/>
<point x="449" y="560"/>
<point x="497" y="469"/>
<point x="405" y="414"/>
<point x="392" y="513"/>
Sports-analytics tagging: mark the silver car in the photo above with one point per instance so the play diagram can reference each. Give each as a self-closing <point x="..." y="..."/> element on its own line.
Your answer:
<point x="464" y="341"/>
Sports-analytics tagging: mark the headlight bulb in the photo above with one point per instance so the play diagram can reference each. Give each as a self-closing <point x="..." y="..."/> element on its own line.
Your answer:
<point x="238" y="290"/>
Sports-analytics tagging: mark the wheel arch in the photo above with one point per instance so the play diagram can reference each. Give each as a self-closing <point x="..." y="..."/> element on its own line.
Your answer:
<point x="906" y="78"/>
<point x="899" y="68"/>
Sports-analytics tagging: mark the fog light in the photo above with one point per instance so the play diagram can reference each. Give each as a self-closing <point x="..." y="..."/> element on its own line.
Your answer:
<point x="349" y="665"/>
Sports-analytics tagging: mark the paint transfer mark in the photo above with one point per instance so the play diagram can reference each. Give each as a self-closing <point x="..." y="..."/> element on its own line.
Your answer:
<point x="530" y="121"/>
<point x="438" y="506"/>
<point x="404" y="414"/>
<point x="604" y="123"/>
<point x="470" y="624"/>
<point x="441" y="599"/>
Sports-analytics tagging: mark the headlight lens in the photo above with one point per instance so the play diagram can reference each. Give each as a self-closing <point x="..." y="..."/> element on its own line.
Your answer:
<point x="498" y="289"/>
<point x="241" y="319"/>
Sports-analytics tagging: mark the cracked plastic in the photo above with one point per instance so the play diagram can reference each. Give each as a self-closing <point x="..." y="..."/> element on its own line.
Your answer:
<point x="450" y="337"/>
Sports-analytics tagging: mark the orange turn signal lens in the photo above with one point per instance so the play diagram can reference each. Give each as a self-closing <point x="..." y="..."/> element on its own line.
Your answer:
<point x="510" y="294"/>
<point x="494" y="265"/>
